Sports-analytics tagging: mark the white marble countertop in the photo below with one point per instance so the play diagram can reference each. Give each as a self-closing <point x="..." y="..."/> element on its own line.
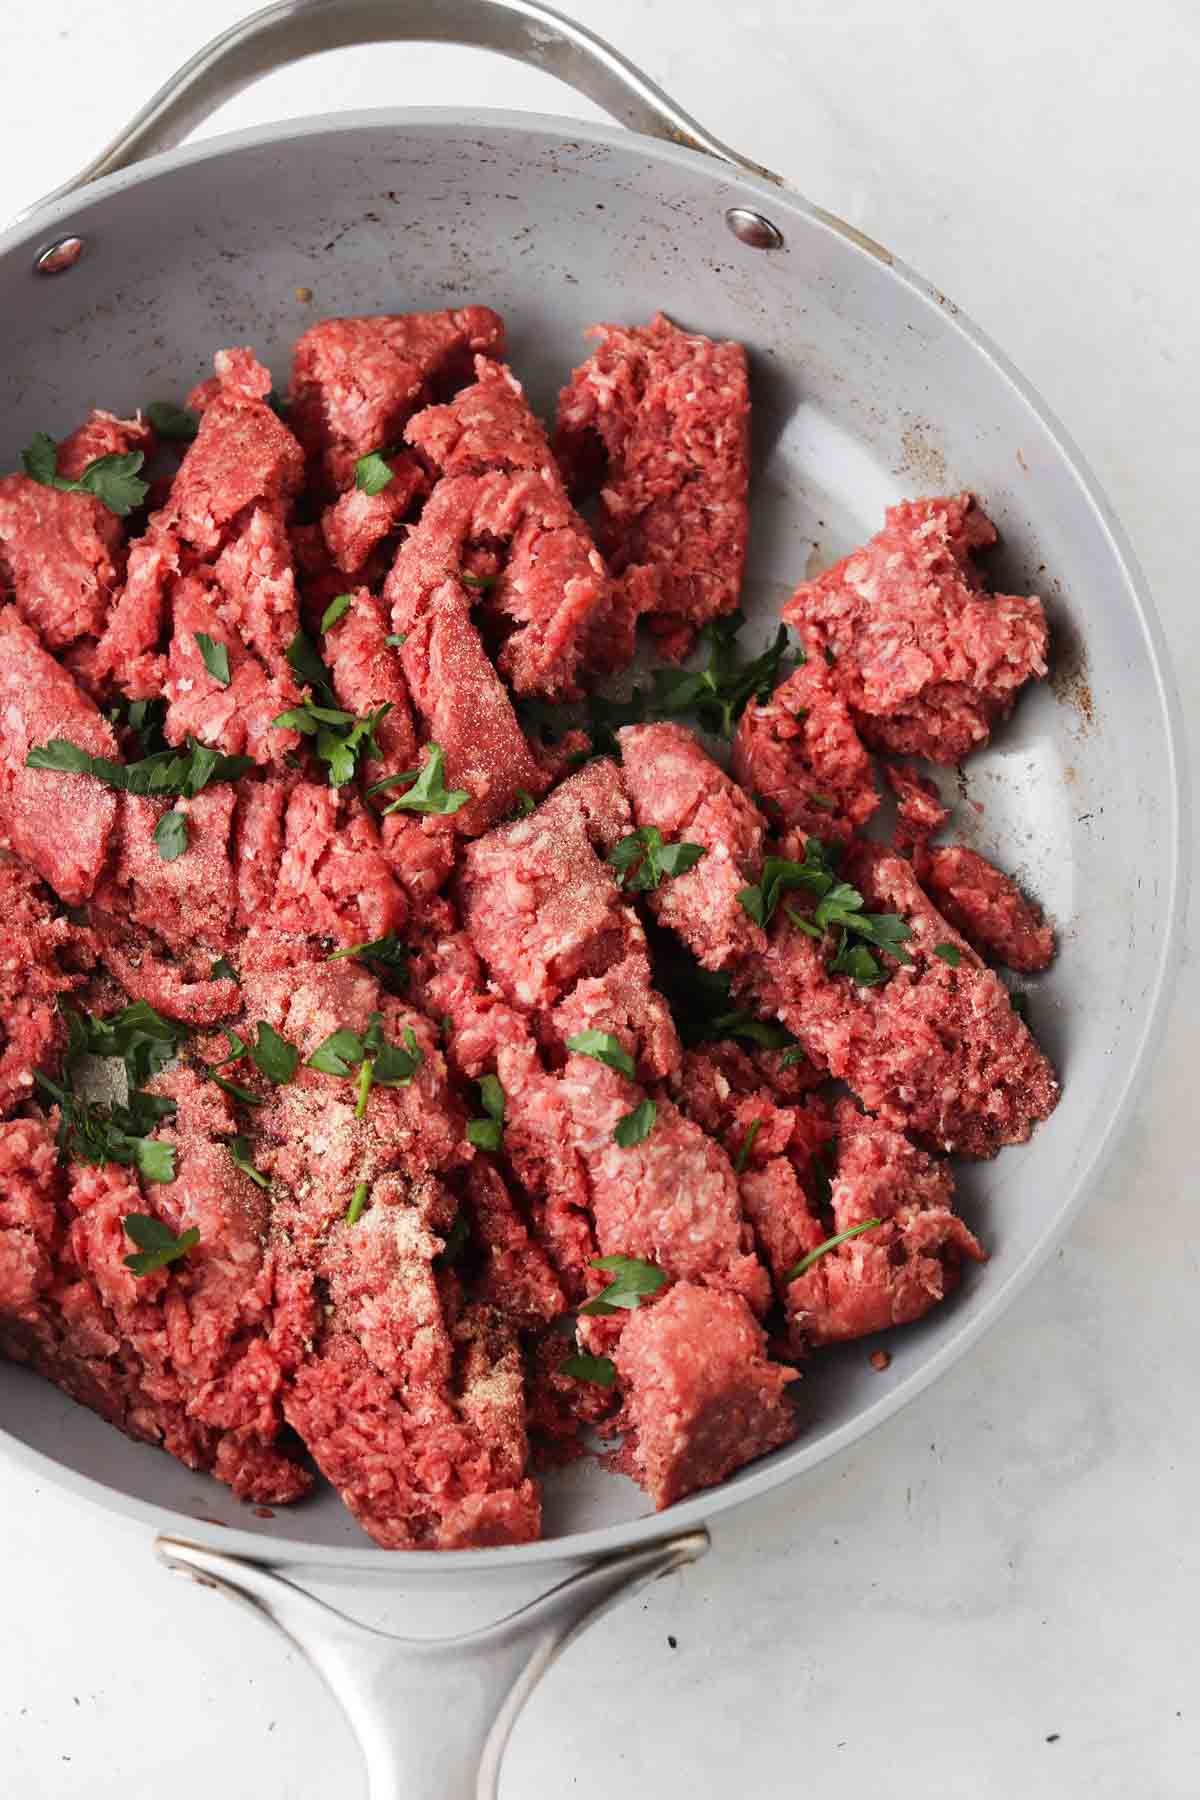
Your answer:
<point x="997" y="1592"/>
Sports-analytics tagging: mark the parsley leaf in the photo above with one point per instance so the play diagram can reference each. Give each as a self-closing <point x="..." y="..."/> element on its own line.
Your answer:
<point x="601" y="1370"/>
<point x="396" y="639"/>
<point x="806" y="1262"/>
<point x="371" y="472"/>
<point x="337" y="609"/>
<point x="338" y="1054"/>
<point x="636" y="1126"/>
<point x="376" y="1060"/>
<point x="141" y="1037"/>
<point x="642" y="859"/>
<point x="216" y="657"/>
<point x="388" y="951"/>
<point x="168" y="772"/>
<point x="525" y="803"/>
<point x="308" y="668"/>
<point x="487" y="1133"/>
<point x="602" y="1047"/>
<point x="743" y="1155"/>
<point x="839" y="907"/>
<point x="111" y="479"/>
<point x="719" y="693"/>
<point x="481" y="583"/>
<point x="457" y="1239"/>
<point x="605" y="718"/>
<point x="632" y="1281"/>
<point x="428" y="792"/>
<point x="341" y="738"/>
<point x="174" y="424"/>
<point x="949" y="953"/>
<point x="763" y="1032"/>
<point x="145" y="719"/>
<point x="222" y="970"/>
<point x="793" y="1055"/>
<point x="171" y="835"/>
<point x="357" y="1202"/>
<point x="157" y="1243"/>
<point x="239" y="1151"/>
<point x="273" y="1055"/>
<point x="856" y="961"/>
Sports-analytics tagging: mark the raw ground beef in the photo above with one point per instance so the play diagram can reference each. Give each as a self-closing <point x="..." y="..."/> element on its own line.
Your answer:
<point x="391" y="1242"/>
<point x="990" y="910"/>
<point x="926" y="660"/>
<point x="657" y="421"/>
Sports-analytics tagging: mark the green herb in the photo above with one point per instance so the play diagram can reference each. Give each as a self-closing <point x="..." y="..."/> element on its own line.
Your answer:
<point x="145" y="718"/>
<point x="604" y="719"/>
<point x="110" y="479"/>
<point x="391" y="781"/>
<point x="487" y="1133"/>
<point x="839" y="908"/>
<point x="949" y="953"/>
<point x="277" y="403"/>
<point x="371" y="472"/>
<point x="826" y="802"/>
<point x="387" y="950"/>
<point x="237" y="1049"/>
<point x="273" y="1055"/>
<point x="632" y="1281"/>
<point x="157" y="1244"/>
<point x="173" y="423"/>
<point x="743" y="1155"/>
<point x="341" y="738"/>
<point x="636" y="1126"/>
<point x="1020" y="1005"/>
<point x="719" y="693"/>
<point x="375" y="1059"/>
<point x="602" y="1047"/>
<point x="396" y="639"/>
<point x="337" y="609"/>
<point x="171" y="835"/>
<point x="792" y="1056"/>
<point x="457" y="1239"/>
<point x="856" y="961"/>
<point x="357" y="1201"/>
<point x="98" y="1134"/>
<point x="806" y="1262"/>
<point x="216" y="657"/>
<point x="169" y="772"/>
<point x="803" y="924"/>
<point x="480" y="582"/>
<point x="308" y="667"/>
<point x="222" y="970"/>
<point x="642" y="860"/>
<point x="141" y="1037"/>
<point x="830" y="658"/>
<point x="239" y="1151"/>
<point x="525" y="803"/>
<point x="428" y="793"/>
<point x="765" y="1033"/>
<point x="600" y="1370"/>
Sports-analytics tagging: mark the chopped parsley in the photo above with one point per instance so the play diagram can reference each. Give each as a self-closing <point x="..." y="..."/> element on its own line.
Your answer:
<point x="171" y="835"/>
<point x="273" y="1056"/>
<point x="237" y="1049"/>
<point x="719" y="693"/>
<point x="806" y="1262"/>
<point x="743" y="1155"/>
<point x="215" y="657"/>
<point x="525" y="803"/>
<point x="168" y="772"/>
<point x="371" y="472"/>
<point x="481" y="583"/>
<point x="341" y="739"/>
<point x="839" y="908"/>
<point x="949" y="953"/>
<point x="457" y="1239"/>
<point x="376" y="1060"/>
<point x="487" y="1133"/>
<point x="642" y="860"/>
<point x="428" y="793"/>
<point x="92" y="1133"/>
<point x="222" y="970"/>
<point x="636" y="1126"/>
<point x="396" y="638"/>
<point x="387" y="950"/>
<point x="308" y="668"/>
<point x="602" y="1047"/>
<point x="239" y="1152"/>
<point x="111" y="479"/>
<point x="174" y="424"/>
<point x="157" y="1244"/>
<point x="632" y="1282"/>
<point x="141" y="1037"/>
<point x="145" y="718"/>
<point x="337" y="609"/>
<point x="357" y="1201"/>
<point x="600" y="1370"/>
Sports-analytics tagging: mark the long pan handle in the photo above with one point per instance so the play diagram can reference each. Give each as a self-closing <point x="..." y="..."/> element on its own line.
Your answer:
<point x="432" y="1716"/>
<point x="293" y="29"/>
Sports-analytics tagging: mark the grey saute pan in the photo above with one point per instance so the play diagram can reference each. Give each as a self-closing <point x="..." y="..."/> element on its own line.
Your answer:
<point x="869" y="384"/>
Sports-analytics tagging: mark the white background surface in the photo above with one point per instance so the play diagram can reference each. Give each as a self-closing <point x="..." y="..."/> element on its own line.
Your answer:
<point x="1015" y="1558"/>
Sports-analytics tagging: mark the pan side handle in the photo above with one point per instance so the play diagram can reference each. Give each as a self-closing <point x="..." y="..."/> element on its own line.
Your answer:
<point x="433" y="1716"/>
<point x="290" y="30"/>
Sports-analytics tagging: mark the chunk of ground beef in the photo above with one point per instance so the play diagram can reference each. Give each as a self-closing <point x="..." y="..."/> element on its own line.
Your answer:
<point x="658" y="421"/>
<point x="986" y="906"/>
<point x="60" y="559"/>
<point x="919" y="808"/>
<point x="799" y="753"/>
<point x="41" y="959"/>
<point x="701" y="1396"/>
<point x="926" y="660"/>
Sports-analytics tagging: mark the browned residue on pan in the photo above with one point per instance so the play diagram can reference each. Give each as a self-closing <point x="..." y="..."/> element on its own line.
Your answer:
<point x="1069" y="680"/>
<point x="921" y="457"/>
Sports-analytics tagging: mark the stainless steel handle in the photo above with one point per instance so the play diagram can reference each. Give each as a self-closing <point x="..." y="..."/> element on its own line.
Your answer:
<point x="293" y="29"/>
<point x="433" y="1716"/>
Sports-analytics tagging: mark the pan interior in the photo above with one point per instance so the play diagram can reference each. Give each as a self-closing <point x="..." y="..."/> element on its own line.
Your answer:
<point x="867" y="388"/>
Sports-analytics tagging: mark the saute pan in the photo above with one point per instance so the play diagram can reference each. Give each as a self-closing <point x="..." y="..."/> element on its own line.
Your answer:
<point x="869" y="384"/>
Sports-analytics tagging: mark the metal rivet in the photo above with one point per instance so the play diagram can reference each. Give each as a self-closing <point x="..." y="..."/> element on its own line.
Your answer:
<point x="753" y="229"/>
<point x="56" y="258"/>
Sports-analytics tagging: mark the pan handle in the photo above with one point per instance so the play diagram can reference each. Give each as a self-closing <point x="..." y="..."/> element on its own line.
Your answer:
<point x="433" y="1716"/>
<point x="290" y="30"/>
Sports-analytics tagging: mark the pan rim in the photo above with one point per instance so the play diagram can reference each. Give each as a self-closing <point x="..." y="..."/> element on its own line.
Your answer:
<point x="968" y="1327"/>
